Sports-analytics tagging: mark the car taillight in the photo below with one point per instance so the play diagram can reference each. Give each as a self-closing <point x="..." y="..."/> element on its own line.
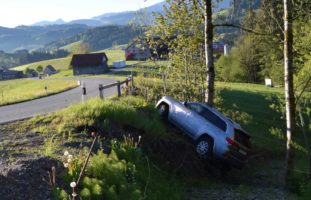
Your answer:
<point x="232" y="142"/>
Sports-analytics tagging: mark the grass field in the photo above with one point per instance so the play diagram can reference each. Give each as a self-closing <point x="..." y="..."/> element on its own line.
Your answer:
<point x="59" y="64"/>
<point x="14" y="91"/>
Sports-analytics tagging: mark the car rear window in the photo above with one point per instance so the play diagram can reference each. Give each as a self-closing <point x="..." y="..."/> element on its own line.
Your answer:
<point x="209" y="116"/>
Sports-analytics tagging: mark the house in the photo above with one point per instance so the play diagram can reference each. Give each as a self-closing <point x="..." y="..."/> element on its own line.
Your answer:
<point x="95" y="63"/>
<point x="31" y="73"/>
<point x="49" y="70"/>
<point x="6" y="74"/>
<point x="138" y="50"/>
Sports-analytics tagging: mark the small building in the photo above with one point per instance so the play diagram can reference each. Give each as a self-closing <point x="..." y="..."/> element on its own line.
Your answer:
<point x="31" y="73"/>
<point x="95" y="63"/>
<point x="6" y="74"/>
<point x="138" y="50"/>
<point x="49" y="70"/>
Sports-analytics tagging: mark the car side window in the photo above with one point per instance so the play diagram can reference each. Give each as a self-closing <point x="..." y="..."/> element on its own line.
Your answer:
<point x="193" y="107"/>
<point x="208" y="115"/>
<point x="214" y="119"/>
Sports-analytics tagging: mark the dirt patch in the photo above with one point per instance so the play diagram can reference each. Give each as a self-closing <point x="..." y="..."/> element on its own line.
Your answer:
<point x="27" y="178"/>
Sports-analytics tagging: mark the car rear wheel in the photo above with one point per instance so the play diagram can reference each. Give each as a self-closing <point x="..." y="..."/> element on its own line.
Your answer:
<point x="204" y="147"/>
<point x="163" y="109"/>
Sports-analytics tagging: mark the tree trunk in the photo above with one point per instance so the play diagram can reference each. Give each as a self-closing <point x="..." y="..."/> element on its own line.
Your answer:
<point x="289" y="88"/>
<point x="210" y="76"/>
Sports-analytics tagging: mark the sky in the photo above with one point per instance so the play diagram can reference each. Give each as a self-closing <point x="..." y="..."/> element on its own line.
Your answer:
<point x="25" y="12"/>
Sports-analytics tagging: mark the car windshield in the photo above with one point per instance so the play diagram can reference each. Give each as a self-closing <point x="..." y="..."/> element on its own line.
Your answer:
<point x="208" y="115"/>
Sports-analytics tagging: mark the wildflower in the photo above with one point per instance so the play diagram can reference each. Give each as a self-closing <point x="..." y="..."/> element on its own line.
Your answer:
<point x="66" y="165"/>
<point x="73" y="184"/>
<point x="70" y="156"/>
<point x="69" y="160"/>
<point x="93" y="134"/>
<point x="74" y="194"/>
<point x="66" y="153"/>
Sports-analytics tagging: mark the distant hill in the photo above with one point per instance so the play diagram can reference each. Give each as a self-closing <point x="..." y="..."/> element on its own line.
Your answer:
<point x="98" y="38"/>
<point x="118" y="18"/>
<point x="34" y="37"/>
<point x="48" y="23"/>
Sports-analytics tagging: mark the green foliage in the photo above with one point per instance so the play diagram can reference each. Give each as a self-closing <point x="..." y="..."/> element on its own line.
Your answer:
<point x="123" y="174"/>
<point x="39" y="68"/>
<point x="58" y="193"/>
<point x="120" y="112"/>
<point x="80" y="48"/>
<point x="181" y="29"/>
<point x="305" y="191"/>
<point x="108" y="177"/>
<point x="228" y="68"/>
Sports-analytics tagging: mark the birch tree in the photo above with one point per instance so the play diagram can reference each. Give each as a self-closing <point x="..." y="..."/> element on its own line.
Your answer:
<point x="289" y="87"/>
<point x="209" y="62"/>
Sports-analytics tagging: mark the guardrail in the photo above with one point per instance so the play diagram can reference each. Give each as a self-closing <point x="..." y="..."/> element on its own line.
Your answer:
<point x="128" y="80"/>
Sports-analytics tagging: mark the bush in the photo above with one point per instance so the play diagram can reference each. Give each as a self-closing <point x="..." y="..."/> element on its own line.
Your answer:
<point x="123" y="174"/>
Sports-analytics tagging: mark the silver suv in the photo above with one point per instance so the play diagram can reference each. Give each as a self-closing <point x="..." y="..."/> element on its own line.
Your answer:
<point x="214" y="134"/>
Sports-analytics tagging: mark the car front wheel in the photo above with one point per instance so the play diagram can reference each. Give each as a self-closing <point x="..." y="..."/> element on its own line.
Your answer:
<point x="204" y="147"/>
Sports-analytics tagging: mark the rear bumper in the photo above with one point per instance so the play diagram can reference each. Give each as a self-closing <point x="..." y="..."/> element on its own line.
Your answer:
<point x="237" y="158"/>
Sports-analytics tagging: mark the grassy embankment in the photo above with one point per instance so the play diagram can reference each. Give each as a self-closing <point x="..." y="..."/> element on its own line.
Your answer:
<point x="13" y="91"/>
<point x="136" y="117"/>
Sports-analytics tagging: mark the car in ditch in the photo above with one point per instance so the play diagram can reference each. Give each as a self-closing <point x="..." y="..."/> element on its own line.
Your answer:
<point x="214" y="135"/>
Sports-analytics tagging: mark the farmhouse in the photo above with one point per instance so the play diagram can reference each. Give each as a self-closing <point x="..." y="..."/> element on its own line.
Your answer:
<point x="49" y="70"/>
<point x="31" y="73"/>
<point x="95" y="63"/>
<point x="6" y="74"/>
<point x="138" y="50"/>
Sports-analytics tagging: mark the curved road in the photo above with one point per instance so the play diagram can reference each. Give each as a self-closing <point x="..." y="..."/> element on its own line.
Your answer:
<point x="54" y="102"/>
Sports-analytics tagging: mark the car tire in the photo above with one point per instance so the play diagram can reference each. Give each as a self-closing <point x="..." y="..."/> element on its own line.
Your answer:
<point x="163" y="109"/>
<point x="204" y="147"/>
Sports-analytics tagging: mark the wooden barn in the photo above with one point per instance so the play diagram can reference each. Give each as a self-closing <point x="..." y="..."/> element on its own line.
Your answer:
<point x="95" y="63"/>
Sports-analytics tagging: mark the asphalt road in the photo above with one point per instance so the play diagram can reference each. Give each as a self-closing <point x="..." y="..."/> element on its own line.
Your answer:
<point x="54" y="102"/>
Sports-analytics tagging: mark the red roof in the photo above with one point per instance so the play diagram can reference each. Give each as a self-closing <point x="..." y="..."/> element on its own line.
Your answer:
<point x="94" y="59"/>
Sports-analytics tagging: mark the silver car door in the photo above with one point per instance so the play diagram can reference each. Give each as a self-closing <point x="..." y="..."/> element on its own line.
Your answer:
<point x="181" y="116"/>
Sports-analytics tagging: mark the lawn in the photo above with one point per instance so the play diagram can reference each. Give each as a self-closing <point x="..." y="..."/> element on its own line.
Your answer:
<point x="14" y="91"/>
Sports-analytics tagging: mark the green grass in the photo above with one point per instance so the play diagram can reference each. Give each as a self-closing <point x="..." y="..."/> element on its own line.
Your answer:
<point x="58" y="64"/>
<point x="14" y="91"/>
<point x="73" y="47"/>
<point x="255" y="100"/>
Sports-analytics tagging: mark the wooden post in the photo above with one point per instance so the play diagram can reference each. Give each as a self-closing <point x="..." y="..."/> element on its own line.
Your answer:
<point x="119" y="88"/>
<point x="101" y="92"/>
<point x="83" y="86"/>
<point x="132" y="81"/>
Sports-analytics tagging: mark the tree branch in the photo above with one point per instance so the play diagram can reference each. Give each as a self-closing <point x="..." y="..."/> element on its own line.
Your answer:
<point x="303" y="89"/>
<point x="240" y="27"/>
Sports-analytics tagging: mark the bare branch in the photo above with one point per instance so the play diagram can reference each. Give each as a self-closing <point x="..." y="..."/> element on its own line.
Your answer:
<point x="240" y="27"/>
<point x="308" y="82"/>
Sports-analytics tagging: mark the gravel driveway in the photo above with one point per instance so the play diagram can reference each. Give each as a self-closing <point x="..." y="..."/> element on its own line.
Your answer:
<point x="54" y="102"/>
